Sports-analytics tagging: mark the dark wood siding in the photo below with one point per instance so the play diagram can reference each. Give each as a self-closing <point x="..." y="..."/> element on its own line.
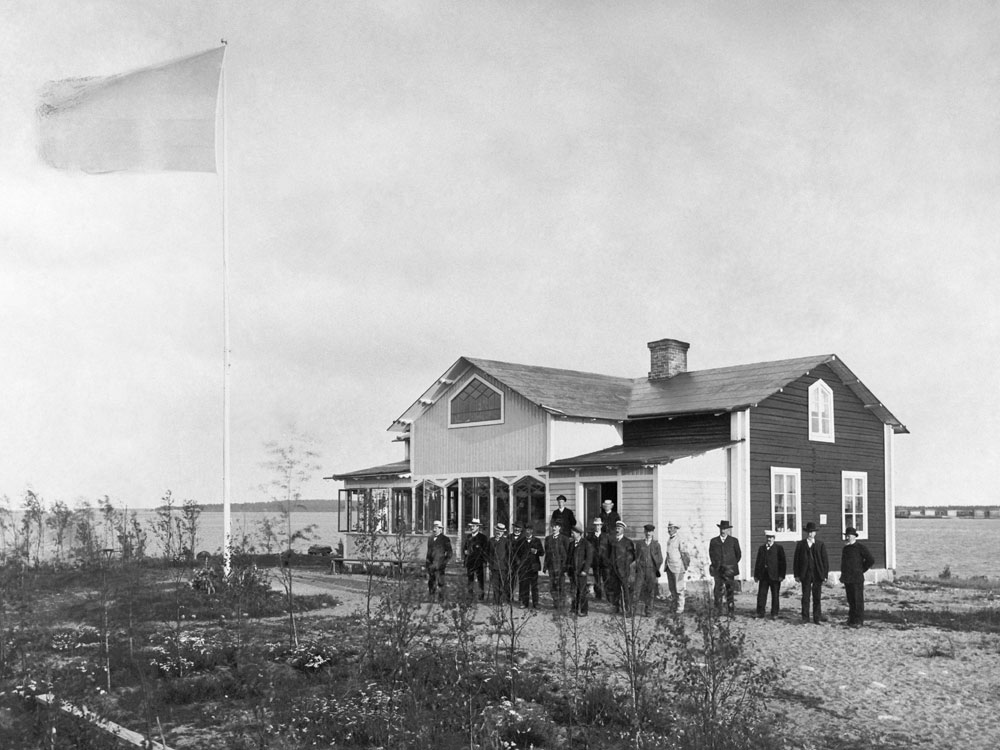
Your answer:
<point x="696" y="427"/>
<point x="779" y="436"/>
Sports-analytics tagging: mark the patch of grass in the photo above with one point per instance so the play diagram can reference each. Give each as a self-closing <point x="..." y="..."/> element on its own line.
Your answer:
<point x="986" y="620"/>
<point x="949" y="581"/>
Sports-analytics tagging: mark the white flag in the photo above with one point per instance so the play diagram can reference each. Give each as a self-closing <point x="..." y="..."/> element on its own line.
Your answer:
<point x="160" y="118"/>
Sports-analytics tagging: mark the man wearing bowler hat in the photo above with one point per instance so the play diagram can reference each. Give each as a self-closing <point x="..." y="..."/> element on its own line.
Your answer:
<point x="474" y="555"/>
<point x="769" y="571"/>
<point x="855" y="561"/>
<point x="811" y="567"/>
<point x="648" y="559"/>
<point x="724" y="557"/>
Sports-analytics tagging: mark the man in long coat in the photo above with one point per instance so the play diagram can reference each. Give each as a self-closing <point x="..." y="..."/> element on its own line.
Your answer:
<point x="474" y="556"/>
<point x="556" y="558"/>
<point x="724" y="557"/>
<point x="581" y="558"/>
<point x="528" y="559"/>
<point x="811" y="566"/>
<point x="855" y="561"/>
<point x="499" y="554"/>
<point x="769" y="571"/>
<point x="648" y="559"/>
<point x="599" y="540"/>
<point x="438" y="555"/>
<point x="621" y="570"/>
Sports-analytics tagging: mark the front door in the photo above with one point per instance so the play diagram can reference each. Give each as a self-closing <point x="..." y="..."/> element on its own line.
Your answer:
<point x="594" y="493"/>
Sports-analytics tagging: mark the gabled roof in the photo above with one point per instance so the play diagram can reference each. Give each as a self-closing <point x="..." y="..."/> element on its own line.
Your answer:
<point x="567" y="393"/>
<point x="645" y="455"/>
<point x="587" y="395"/>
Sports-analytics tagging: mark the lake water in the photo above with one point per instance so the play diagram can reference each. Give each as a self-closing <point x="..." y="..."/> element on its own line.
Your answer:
<point x="923" y="546"/>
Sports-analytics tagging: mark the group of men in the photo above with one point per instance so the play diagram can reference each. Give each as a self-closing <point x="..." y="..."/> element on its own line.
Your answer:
<point x="810" y="567"/>
<point x="618" y="569"/>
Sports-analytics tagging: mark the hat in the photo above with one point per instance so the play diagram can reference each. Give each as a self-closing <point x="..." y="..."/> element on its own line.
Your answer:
<point x="724" y="525"/>
<point x="598" y="522"/>
<point x="474" y="522"/>
<point x="578" y="529"/>
<point x="850" y="531"/>
<point x="518" y="525"/>
<point x="810" y="527"/>
<point x="769" y="532"/>
<point x="607" y="502"/>
<point x="672" y="526"/>
<point x="649" y="527"/>
<point x="437" y="524"/>
<point x="500" y="527"/>
<point x="621" y="523"/>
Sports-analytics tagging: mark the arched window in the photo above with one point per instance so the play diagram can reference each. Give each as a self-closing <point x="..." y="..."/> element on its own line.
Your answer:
<point x="821" y="412"/>
<point x="529" y="503"/>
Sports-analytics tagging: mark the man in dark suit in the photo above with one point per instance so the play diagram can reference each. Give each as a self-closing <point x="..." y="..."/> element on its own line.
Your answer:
<point x="724" y="557"/>
<point x="621" y="570"/>
<point x="599" y="539"/>
<point x="648" y="559"/>
<point x="811" y="567"/>
<point x="499" y="554"/>
<point x="528" y="559"/>
<point x="769" y="571"/>
<point x="563" y="516"/>
<point x="581" y="558"/>
<point x="609" y="516"/>
<point x="556" y="558"/>
<point x="474" y="555"/>
<point x="855" y="561"/>
<point x="438" y="555"/>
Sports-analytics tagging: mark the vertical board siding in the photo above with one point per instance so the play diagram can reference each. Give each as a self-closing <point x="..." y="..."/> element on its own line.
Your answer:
<point x="779" y="436"/>
<point x="518" y="443"/>
<point x="696" y="506"/>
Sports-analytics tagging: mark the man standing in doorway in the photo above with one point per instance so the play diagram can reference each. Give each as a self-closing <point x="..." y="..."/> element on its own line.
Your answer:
<point x="855" y="561"/>
<point x="676" y="564"/>
<point x="438" y="555"/>
<point x="474" y="554"/>
<point x="769" y="571"/>
<point x="609" y="516"/>
<point x="724" y="557"/>
<point x="564" y="517"/>
<point x="648" y="559"/>
<point x="811" y="567"/>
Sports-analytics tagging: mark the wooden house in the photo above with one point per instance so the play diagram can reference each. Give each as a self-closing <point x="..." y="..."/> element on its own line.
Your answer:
<point x="769" y="445"/>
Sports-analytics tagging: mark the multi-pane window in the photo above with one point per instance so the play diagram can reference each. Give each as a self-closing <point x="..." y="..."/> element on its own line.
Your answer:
<point x="820" y="412"/>
<point x="786" y="502"/>
<point x="529" y="503"/>
<point x="855" y="484"/>
<point x="477" y="403"/>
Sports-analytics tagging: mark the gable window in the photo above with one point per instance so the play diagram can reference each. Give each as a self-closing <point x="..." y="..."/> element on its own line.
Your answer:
<point x="821" y="412"/>
<point x="786" y="502"/>
<point x="855" y="484"/>
<point x="478" y="403"/>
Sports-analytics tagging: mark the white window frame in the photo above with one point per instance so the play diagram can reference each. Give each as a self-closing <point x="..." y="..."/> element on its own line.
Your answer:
<point x="816" y="391"/>
<point x="788" y="536"/>
<point x="853" y="476"/>
<point x="466" y="384"/>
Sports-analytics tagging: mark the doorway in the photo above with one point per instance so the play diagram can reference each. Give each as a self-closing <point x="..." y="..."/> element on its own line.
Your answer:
<point x="594" y="493"/>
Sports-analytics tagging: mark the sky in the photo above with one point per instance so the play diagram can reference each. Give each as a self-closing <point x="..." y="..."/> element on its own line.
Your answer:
<point x="553" y="184"/>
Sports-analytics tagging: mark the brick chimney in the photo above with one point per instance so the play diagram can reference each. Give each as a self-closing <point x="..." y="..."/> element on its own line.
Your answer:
<point x="667" y="357"/>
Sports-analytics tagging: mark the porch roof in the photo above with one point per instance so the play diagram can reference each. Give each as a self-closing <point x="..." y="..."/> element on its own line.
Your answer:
<point x="396" y="469"/>
<point x="640" y="455"/>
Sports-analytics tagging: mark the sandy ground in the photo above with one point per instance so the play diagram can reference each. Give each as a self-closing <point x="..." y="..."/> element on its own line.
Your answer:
<point x="913" y="686"/>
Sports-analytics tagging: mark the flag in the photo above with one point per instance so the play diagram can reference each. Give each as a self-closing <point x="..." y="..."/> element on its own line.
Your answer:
<point x="160" y="118"/>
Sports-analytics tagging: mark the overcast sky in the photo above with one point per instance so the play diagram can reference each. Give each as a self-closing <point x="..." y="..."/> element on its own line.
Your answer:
<point x="549" y="183"/>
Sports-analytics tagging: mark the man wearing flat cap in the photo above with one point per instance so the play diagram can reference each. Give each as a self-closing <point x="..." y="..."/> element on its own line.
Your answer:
<point x="811" y="567"/>
<point x="556" y="549"/>
<point x="438" y="555"/>
<point x="724" y="557"/>
<point x="769" y="571"/>
<point x="855" y="561"/>
<point x="648" y="559"/>
<point x="563" y="515"/>
<point x="621" y="570"/>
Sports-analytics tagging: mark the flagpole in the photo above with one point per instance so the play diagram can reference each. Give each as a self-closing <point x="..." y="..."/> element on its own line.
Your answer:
<point x="226" y="480"/>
